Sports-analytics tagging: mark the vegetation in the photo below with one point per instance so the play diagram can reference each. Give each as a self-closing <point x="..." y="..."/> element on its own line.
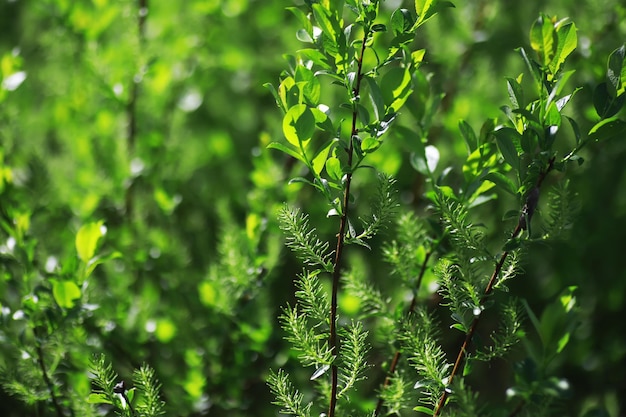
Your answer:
<point x="340" y="208"/>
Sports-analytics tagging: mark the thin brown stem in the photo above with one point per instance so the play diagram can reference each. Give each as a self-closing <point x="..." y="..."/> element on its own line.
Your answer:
<point x="523" y="223"/>
<point x="410" y="310"/>
<point x="333" y="340"/>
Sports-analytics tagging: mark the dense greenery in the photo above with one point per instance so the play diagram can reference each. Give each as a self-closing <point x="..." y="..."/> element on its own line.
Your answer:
<point x="240" y="207"/>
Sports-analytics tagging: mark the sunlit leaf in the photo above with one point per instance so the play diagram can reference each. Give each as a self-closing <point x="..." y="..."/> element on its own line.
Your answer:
<point x="543" y="39"/>
<point x="299" y="125"/>
<point x="65" y="293"/>
<point x="87" y="240"/>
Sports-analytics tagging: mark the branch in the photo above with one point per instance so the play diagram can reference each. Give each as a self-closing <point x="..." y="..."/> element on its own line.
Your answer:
<point x="333" y="342"/>
<point x="523" y="223"/>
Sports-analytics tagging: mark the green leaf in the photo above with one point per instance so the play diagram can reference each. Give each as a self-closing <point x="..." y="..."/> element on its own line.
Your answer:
<point x="608" y="129"/>
<point x="369" y="145"/>
<point x="553" y="117"/>
<point x="308" y="83"/>
<point x="98" y="398"/>
<point x="333" y="168"/>
<point x="468" y="134"/>
<point x="65" y="293"/>
<point x="287" y="150"/>
<point x="376" y="98"/>
<point x="575" y="128"/>
<point x="401" y="21"/>
<point x="516" y="94"/>
<point x="502" y="181"/>
<point x="616" y="70"/>
<point x="396" y="87"/>
<point x="304" y="20"/>
<point x="323" y="18"/>
<point x="320" y="159"/>
<point x="87" y="240"/>
<point x="299" y="125"/>
<point x="508" y="140"/>
<point x="426" y="9"/>
<point x="605" y="104"/>
<point x="566" y="44"/>
<point x="543" y="39"/>
<point x="424" y="410"/>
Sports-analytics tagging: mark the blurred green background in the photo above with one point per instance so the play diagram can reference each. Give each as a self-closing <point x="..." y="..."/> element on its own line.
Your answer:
<point x="161" y="131"/>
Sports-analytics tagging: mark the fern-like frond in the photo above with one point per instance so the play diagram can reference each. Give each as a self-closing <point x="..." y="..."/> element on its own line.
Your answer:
<point x="563" y="208"/>
<point x="467" y="238"/>
<point x="384" y="206"/>
<point x="510" y="269"/>
<point x="150" y="403"/>
<point x="352" y="353"/>
<point x="407" y="252"/>
<point x="419" y="341"/>
<point x="506" y="336"/>
<point x="462" y="295"/>
<point x="465" y="401"/>
<point x="104" y="378"/>
<point x="312" y="298"/>
<point x="288" y="398"/>
<point x="371" y="300"/>
<point x="397" y="395"/>
<point x="302" y="240"/>
<point x="313" y="347"/>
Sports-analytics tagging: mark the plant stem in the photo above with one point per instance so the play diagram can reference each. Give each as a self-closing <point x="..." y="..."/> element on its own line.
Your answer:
<point x="410" y="310"/>
<point x="46" y="378"/>
<point x="340" y="237"/>
<point x="523" y="223"/>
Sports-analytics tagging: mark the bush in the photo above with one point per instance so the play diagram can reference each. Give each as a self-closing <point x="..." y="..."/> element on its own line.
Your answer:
<point x="141" y="210"/>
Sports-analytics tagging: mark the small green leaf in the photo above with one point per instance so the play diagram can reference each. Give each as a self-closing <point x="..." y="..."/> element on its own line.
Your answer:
<point x="65" y="293"/>
<point x="308" y="83"/>
<point x="516" y="94"/>
<point x="320" y="159"/>
<point x="426" y="9"/>
<point x="323" y="18"/>
<point x="369" y="145"/>
<point x="396" y="87"/>
<point x="401" y="21"/>
<point x="378" y="28"/>
<point x="299" y="125"/>
<point x="566" y="43"/>
<point x="502" y="181"/>
<point x="608" y="129"/>
<point x="87" y="240"/>
<point x="543" y="39"/>
<point x="615" y="72"/>
<point x="424" y="410"/>
<point x="606" y="105"/>
<point x="97" y="398"/>
<point x="376" y="98"/>
<point x="508" y="140"/>
<point x="287" y="150"/>
<point x="333" y="168"/>
<point x="468" y="134"/>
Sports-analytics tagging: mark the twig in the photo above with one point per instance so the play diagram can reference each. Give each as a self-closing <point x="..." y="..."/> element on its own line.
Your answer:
<point x="523" y="223"/>
<point x="340" y="238"/>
